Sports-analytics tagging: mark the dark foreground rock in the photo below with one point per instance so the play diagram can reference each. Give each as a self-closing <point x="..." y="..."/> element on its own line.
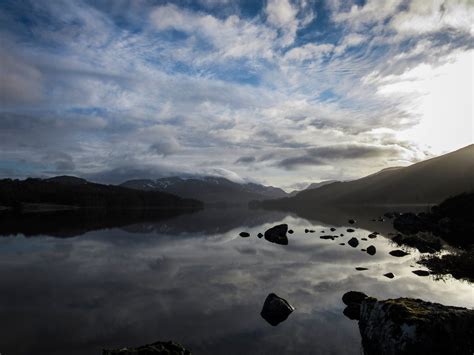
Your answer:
<point x="277" y="234"/>
<point x="276" y="309"/>
<point x="460" y="265"/>
<point x="412" y="326"/>
<point x="158" y="348"/>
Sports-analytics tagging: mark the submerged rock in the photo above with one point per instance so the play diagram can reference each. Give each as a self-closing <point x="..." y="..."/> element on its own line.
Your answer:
<point x="353" y="242"/>
<point x="398" y="253"/>
<point x="413" y="326"/>
<point x="158" y="348"/>
<point x="389" y="275"/>
<point x="244" y="234"/>
<point x="371" y="250"/>
<point x="277" y="234"/>
<point x="276" y="309"/>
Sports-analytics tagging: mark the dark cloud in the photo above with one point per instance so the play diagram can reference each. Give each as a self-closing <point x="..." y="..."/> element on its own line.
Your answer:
<point x="328" y="154"/>
<point x="245" y="160"/>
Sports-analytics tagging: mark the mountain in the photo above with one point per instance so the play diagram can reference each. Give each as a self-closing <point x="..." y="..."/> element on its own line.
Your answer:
<point x="71" y="191"/>
<point x="209" y="189"/>
<point x="427" y="182"/>
<point x="314" y="185"/>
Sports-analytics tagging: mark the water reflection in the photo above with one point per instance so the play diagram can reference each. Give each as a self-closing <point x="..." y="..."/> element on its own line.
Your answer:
<point x="193" y="279"/>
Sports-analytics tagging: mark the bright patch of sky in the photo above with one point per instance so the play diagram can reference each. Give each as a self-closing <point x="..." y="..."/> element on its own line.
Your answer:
<point x="273" y="91"/>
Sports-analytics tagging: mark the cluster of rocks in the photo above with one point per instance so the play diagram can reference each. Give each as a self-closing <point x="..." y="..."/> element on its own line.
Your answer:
<point x="410" y="326"/>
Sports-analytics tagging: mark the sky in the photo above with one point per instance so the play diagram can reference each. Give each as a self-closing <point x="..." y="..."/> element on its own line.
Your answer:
<point x="278" y="92"/>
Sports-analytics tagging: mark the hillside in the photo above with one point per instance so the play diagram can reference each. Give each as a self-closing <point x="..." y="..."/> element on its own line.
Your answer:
<point x="208" y="189"/>
<point x="427" y="182"/>
<point x="70" y="191"/>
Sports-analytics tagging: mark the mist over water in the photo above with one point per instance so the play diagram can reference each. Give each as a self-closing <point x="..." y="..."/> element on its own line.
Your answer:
<point x="192" y="279"/>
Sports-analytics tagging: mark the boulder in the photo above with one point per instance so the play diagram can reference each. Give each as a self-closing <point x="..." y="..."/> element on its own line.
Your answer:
<point x="371" y="250"/>
<point x="353" y="242"/>
<point x="276" y="309"/>
<point x="413" y="326"/>
<point x="158" y="348"/>
<point x="398" y="253"/>
<point x="277" y="234"/>
<point x="421" y="272"/>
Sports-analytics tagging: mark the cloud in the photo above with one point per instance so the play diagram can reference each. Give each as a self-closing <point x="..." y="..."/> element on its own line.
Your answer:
<point x="327" y="155"/>
<point x="245" y="160"/>
<point x="166" y="146"/>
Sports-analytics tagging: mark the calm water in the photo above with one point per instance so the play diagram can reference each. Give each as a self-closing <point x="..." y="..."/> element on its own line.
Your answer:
<point x="192" y="279"/>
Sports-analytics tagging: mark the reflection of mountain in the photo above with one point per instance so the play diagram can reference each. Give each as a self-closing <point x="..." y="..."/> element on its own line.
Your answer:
<point x="430" y="181"/>
<point x="209" y="189"/>
<point x="66" y="224"/>
<point x="314" y="185"/>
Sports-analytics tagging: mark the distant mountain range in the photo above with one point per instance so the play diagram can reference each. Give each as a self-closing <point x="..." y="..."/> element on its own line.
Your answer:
<point x="427" y="182"/>
<point x="208" y="189"/>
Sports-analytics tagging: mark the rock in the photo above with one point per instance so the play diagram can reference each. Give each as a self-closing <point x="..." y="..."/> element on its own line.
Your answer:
<point x="327" y="237"/>
<point x="277" y="234"/>
<point x="276" y="309"/>
<point x="351" y="221"/>
<point x="363" y="239"/>
<point x="353" y="242"/>
<point x="363" y="250"/>
<point x="361" y="268"/>
<point x="260" y="235"/>
<point x="372" y="235"/>
<point x="409" y="223"/>
<point x="398" y="253"/>
<point x="158" y="348"/>
<point x="333" y="229"/>
<point x="460" y="264"/>
<point x="371" y="250"/>
<point x="353" y="297"/>
<point x="244" y="234"/>
<point x="424" y="242"/>
<point x="322" y="232"/>
<point x="389" y="275"/>
<point x="353" y="300"/>
<point x="342" y="235"/>
<point x="412" y="326"/>
<point x="421" y="272"/>
<point x="311" y="231"/>
<point x="342" y="243"/>
<point x="306" y="230"/>
<point x="290" y="231"/>
<point x="350" y="230"/>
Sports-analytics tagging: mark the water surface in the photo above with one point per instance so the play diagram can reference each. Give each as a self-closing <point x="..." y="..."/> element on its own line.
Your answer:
<point x="192" y="279"/>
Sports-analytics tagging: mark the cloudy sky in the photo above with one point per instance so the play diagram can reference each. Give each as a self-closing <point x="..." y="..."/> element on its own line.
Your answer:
<point x="280" y="92"/>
